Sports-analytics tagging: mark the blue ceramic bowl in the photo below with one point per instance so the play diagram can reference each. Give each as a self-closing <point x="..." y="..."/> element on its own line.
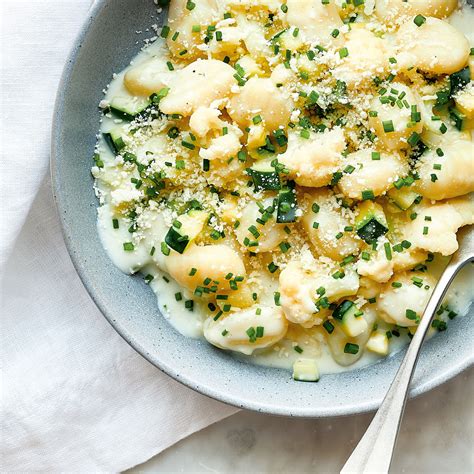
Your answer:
<point x="106" y="44"/>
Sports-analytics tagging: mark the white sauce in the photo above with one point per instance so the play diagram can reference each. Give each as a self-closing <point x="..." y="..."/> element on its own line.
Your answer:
<point x="190" y="323"/>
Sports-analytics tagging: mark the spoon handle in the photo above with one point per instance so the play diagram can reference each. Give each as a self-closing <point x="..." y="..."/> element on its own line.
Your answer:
<point x="374" y="452"/>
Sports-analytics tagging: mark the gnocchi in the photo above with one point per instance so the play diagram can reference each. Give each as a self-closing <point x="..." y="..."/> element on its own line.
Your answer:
<point x="290" y="176"/>
<point x="435" y="46"/>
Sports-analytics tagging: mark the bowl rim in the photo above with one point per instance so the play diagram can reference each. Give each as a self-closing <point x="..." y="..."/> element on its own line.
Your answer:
<point x="435" y="380"/>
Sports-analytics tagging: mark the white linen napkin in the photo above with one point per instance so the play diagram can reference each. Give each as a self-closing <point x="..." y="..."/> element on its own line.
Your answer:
<point x="75" y="396"/>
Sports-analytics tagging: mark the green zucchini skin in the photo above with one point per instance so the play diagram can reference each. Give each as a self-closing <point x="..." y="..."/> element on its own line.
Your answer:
<point x="115" y="141"/>
<point x="287" y="204"/>
<point x="265" y="180"/>
<point x="128" y="110"/>
<point x="176" y="241"/>
<point x="459" y="80"/>
<point x="371" y="222"/>
<point x="372" y="230"/>
<point x="342" y="309"/>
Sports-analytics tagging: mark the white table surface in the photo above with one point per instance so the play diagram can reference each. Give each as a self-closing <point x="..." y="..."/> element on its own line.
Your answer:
<point x="437" y="437"/>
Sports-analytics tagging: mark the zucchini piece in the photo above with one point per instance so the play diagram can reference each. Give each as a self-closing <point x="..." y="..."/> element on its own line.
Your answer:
<point x="129" y="107"/>
<point x="264" y="176"/>
<point x="403" y="198"/>
<point x="306" y="370"/>
<point x="459" y="80"/>
<point x="176" y="240"/>
<point x="287" y="204"/>
<point x="351" y="324"/>
<point x="458" y="118"/>
<point x="185" y="229"/>
<point x="371" y="222"/>
<point x="378" y="343"/>
<point x="115" y="138"/>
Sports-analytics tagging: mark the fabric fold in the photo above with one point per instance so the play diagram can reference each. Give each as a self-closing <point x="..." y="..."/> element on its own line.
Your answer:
<point x="75" y="395"/>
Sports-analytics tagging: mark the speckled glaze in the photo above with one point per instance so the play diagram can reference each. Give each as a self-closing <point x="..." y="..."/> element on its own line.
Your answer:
<point x="106" y="44"/>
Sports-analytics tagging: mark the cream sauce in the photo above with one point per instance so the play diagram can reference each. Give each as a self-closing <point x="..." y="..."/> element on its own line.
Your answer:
<point x="190" y="323"/>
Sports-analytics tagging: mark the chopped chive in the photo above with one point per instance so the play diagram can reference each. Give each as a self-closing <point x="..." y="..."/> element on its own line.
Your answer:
<point x="128" y="247"/>
<point x="165" y="249"/>
<point x="350" y="348"/>
<point x="367" y="195"/>
<point x="272" y="268"/>
<point x="343" y="53"/>
<point x="419" y="20"/>
<point x="188" y="145"/>
<point x="165" y="31"/>
<point x="388" y="126"/>
<point x="388" y="251"/>
<point x="414" y="139"/>
<point x="328" y="326"/>
<point x="276" y="298"/>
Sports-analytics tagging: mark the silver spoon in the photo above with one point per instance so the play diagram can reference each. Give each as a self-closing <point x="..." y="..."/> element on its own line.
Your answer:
<point x="374" y="452"/>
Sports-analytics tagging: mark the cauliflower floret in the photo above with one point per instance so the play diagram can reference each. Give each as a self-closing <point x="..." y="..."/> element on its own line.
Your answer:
<point x="198" y="85"/>
<point x="260" y="98"/>
<point x="205" y="119"/>
<point x="435" y="226"/>
<point x="327" y="228"/>
<point x="447" y="176"/>
<point x="255" y="236"/>
<point x="367" y="57"/>
<point x="377" y="175"/>
<point x="380" y="269"/>
<point x="247" y="330"/>
<point x="223" y="147"/>
<point x="250" y="66"/>
<point x="392" y="124"/>
<point x="404" y="298"/>
<point x="299" y="285"/>
<point x="312" y="162"/>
